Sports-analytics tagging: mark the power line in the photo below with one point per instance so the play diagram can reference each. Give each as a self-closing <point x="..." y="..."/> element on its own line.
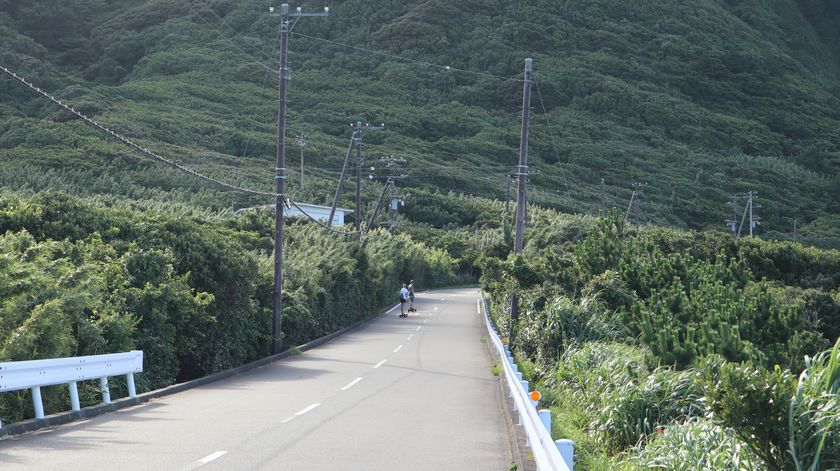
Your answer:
<point x="406" y="59"/>
<point x="127" y="141"/>
<point x="222" y="36"/>
<point x="554" y="145"/>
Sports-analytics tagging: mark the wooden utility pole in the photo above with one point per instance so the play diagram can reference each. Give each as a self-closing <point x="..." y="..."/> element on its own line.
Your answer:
<point x="361" y="131"/>
<point x="522" y="195"/>
<point x="280" y="170"/>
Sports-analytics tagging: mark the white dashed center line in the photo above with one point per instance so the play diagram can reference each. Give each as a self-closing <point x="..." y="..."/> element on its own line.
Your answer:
<point x="206" y="460"/>
<point x="380" y="363"/>
<point x="301" y="412"/>
<point x="418" y="327"/>
<point x="352" y="383"/>
<point x="397" y="349"/>
<point x="435" y="309"/>
<point x="409" y="337"/>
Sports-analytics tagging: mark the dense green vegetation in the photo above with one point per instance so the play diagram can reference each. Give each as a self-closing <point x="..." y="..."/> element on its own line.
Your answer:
<point x="699" y="99"/>
<point x="636" y="332"/>
<point x="654" y="346"/>
<point x="194" y="294"/>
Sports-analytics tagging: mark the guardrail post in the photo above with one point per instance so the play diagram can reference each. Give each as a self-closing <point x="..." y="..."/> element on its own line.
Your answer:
<point x="545" y="417"/>
<point x="106" y="393"/>
<point x="519" y="375"/>
<point x="566" y="448"/>
<point x="74" y="396"/>
<point x="132" y="392"/>
<point x="36" y="401"/>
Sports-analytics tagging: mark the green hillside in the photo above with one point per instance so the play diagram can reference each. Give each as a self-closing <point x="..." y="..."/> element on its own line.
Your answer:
<point x="700" y="100"/>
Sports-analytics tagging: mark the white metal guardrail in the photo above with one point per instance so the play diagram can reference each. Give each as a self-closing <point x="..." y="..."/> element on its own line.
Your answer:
<point x="34" y="374"/>
<point x="548" y="454"/>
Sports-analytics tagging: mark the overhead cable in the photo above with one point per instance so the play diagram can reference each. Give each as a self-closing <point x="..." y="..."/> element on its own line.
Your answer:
<point x="127" y="141"/>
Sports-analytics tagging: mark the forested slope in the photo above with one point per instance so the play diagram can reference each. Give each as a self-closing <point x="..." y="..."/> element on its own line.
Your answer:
<point x="699" y="99"/>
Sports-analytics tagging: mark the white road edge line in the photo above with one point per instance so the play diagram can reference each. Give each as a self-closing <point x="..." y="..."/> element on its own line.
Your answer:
<point x="380" y="363"/>
<point x="435" y="309"/>
<point x="352" y="383"/>
<point x="409" y="337"/>
<point x="478" y="305"/>
<point x="418" y="327"/>
<point x="389" y="310"/>
<point x="397" y="349"/>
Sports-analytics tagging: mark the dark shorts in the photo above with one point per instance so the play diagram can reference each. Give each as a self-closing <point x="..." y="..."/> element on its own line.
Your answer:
<point x="402" y="300"/>
<point x="411" y="297"/>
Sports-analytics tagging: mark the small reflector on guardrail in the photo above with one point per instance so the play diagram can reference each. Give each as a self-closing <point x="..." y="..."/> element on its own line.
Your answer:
<point x="535" y="395"/>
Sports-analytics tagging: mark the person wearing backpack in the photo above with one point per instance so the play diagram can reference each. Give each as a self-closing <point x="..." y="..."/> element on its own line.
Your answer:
<point x="403" y="299"/>
<point x="411" y="297"/>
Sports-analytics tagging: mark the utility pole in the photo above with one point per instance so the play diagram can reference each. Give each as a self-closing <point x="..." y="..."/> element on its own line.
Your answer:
<point x="634" y="198"/>
<point x="390" y="162"/>
<point x="301" y="140"/>
<point x="754" y="221"/>
<point x="522" y="195"/>
<point x="748" y="209"/>
<point x="341" y="177"/>
<point x="361" y="131"/>
<point x="280" y="170"/>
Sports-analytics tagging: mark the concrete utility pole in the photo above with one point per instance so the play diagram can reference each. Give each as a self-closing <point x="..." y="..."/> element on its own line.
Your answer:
<point x="748" y="209"/>
<point x="361" y="131"/>
<point x="280" y="169"/>
<point x="301" y="139"/>
<point x="390" y="163"/>
<point x="341" y="177"/>
<point x="522" y="195"/>
<point x="634" y="198"/>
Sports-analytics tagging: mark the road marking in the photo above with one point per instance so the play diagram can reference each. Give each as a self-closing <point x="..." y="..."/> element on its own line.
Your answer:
<point x="418" y="327"/>
<point x="380" y="363"/>
<point x="308" y="408"/>
<point x="425" y="320"/>
<point x="478" y="305"/>
<point x="443" y="299"/>
<point x="397" y="349"/>
<point x="389" y="310"/>
<point x="409" y="337"/>
<point x="345" y="388"/>
<point x="205" y="460"/>
<point x="435" y="309"/>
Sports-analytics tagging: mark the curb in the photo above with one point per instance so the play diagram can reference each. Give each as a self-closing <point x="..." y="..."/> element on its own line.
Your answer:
<point x="61" y="418"/>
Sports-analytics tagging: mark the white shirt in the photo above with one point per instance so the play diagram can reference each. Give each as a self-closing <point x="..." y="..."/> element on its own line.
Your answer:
<point x="404" y="293"/>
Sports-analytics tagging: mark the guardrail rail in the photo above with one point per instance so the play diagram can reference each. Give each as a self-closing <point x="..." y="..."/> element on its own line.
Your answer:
<point x="548" y="454"/>
<point x="35" y="374"/>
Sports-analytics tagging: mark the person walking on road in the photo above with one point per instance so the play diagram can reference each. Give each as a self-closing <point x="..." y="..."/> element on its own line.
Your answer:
<point x="411" y="297"/>
<point x="403" y="299"/>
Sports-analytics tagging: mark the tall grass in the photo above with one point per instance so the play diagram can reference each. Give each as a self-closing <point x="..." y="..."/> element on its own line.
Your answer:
<point x="814" y="417"/>
<point x="697" y="444"/>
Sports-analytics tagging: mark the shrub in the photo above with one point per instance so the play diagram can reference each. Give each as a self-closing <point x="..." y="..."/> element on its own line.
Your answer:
<point x="697" y="444"/>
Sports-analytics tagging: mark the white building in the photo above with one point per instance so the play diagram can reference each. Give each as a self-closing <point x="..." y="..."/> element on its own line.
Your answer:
<point x="321" y="213"/>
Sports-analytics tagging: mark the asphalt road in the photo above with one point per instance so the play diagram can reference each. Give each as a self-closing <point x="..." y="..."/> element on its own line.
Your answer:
<point x="397" y="394"/>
